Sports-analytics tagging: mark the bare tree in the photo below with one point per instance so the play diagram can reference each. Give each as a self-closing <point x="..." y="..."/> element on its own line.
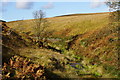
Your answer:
<point x="114" y="7"/>
<point x="41" y="24"/>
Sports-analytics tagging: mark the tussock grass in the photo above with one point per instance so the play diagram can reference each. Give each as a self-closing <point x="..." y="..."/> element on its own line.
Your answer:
<point x="78" y="24"/>
<point x="95" y="49"/>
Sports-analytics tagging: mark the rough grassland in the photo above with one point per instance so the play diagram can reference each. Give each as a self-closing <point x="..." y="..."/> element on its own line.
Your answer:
<point x="87" y="39"/>
<point x="69" y="25"/>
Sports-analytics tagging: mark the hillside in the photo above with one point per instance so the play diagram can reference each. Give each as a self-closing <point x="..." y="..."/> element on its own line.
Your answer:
<point x="67" y="25"/>
<point x="80" y="45"/>
<point x="19" y="50"/>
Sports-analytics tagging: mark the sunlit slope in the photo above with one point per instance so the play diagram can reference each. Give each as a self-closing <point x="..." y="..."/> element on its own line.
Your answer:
<point x="92" y="43"/>
<point x="100" y="47"/>
<point x="66" y="25"/>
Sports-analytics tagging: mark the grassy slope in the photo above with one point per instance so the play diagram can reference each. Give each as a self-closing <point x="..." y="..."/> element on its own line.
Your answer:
<point x="76" y="24"/>
<point x="96" y="46"/>
<point x="17" y="44"/>
<point x="100" y="48"/>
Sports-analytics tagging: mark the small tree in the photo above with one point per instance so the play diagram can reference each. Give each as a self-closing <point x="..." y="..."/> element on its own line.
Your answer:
<point x="41" y="24"/>
<point x="114" y="6"/>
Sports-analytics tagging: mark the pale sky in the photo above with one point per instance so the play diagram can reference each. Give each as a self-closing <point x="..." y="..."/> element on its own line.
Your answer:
<point x="24" y="10"/>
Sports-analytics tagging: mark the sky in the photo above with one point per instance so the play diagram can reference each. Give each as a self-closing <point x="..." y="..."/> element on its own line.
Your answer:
<point x="11" y="11"/>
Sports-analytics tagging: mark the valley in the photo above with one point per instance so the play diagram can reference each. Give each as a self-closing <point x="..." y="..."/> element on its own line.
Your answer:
<point x="73" y="46"/>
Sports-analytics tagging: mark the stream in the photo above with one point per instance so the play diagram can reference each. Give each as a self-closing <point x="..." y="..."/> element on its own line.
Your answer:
<point x="77" y="66"/>
<point x="74" y="65"/>
<point x="51" y="39"/>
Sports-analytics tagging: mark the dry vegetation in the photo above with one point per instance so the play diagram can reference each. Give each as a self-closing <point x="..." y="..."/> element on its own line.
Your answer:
<point x="78" y="24"/>
<point x="19" y="68"/>
<point x="85" y="39"/>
